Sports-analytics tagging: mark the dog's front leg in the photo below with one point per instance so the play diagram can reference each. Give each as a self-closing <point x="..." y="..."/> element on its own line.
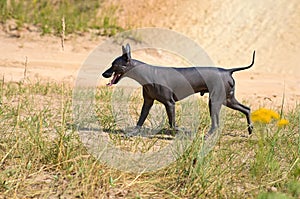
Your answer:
<point x="170" y="108"/>
<point x="145" y="111"/>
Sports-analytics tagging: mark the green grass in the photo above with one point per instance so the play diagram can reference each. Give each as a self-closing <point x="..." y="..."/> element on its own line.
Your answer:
<point x="42" y="156"/>
<point x="80" y="16"/>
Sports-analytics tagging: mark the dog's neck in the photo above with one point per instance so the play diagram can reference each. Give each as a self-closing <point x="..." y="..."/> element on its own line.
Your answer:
<point x="134" y="63"/>
<point x="140" y="71"/>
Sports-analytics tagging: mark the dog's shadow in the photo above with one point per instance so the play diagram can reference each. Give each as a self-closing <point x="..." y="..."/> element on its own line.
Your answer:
<point x="130" y="133"/>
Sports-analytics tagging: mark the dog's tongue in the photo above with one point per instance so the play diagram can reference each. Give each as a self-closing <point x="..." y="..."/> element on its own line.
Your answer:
<point x="113" y="80"/>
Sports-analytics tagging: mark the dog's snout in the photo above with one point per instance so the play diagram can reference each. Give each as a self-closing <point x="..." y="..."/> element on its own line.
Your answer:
<point x="108" y="73"/>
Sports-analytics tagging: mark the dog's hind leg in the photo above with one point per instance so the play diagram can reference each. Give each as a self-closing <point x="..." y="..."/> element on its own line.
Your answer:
<point x="234" y="104"/>
<point x="214" y="110"/>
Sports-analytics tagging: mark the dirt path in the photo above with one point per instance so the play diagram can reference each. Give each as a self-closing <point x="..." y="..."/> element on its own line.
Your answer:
<point x="229" y="31"/>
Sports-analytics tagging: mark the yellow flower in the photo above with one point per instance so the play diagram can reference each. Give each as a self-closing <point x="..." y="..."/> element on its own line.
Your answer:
<point x="274" y="115"/>
<point x="264" y="115"/>
<point x="282" y="122"/>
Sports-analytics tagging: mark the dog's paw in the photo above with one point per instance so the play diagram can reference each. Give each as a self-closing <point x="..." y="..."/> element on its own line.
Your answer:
<point x="131" y="132"/>
<point x="207" y="136"/>
<point x="250" y="129"/>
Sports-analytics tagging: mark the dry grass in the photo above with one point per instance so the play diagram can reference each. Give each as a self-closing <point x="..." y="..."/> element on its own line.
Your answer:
<point x="41" y="155"/>
<point x="78" y="16"/>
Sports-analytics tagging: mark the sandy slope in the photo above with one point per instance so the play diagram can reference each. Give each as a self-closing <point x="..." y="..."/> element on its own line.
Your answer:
<point x="228" y="30"/>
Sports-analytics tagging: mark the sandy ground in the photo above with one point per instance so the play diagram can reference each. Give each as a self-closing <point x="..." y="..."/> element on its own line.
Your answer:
<point x="228" y="30"/>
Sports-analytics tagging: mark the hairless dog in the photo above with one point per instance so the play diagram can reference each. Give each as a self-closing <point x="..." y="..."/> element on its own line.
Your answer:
<point x="169" y="85"/>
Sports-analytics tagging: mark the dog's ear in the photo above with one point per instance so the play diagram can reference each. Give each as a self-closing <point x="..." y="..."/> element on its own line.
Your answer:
<point x="126" y="51"/>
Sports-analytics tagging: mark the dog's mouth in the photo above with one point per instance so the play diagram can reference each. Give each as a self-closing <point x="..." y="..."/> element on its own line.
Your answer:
<point x="115" y="79"/>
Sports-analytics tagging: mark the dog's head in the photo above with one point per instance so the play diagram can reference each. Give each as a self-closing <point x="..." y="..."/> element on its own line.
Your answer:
<point x="119" y="66"/>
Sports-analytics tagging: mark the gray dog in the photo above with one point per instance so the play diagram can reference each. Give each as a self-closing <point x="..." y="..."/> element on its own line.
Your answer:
<point x="169" y="85"/>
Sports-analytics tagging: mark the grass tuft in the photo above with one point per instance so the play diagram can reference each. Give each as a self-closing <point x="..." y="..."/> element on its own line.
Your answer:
<point x="41" y="154"/>
<point x="79" y="16"/>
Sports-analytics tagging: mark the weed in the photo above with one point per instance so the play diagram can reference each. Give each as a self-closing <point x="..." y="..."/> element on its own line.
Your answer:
<point x="47" y="15"/>
<point x="41" y="154"/>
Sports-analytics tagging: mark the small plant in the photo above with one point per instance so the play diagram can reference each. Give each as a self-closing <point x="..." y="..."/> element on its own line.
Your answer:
<point x="42" y="156"/>
<point x="265" y="116"/>
<point x="47" y="15"/>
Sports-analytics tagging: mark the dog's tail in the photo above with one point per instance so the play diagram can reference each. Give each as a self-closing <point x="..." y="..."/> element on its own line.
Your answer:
<point x="232" y="70"/>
